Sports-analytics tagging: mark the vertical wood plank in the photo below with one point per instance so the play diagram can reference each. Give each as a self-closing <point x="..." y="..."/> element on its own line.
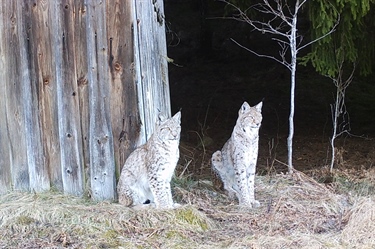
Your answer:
<point x="43" y="74"/>
<point x="80" y="46"/>
<point x="13" y="92"/>
<point x="124" y="108"/>
<point x="137" y="73"/>
<point x="5" y="150"/>
<point x="160" y="39"/>
<point x="38" y="172"/>
<point x="67" y="97"/>
<point x="153" y="61"/>
<point x="102" y="163"/>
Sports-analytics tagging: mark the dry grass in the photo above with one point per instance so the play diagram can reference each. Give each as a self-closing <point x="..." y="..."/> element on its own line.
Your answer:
<point x="296" y="212"/>
<point x="360" y="224"/>
<point x="50" y="219"/>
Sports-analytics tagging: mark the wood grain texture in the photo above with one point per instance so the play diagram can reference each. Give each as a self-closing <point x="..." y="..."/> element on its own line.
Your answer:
<point x="67" y="97"/>
<point x="102" y="163"/>
<point x="151" y="42"/>
<point x="38" y="171"/>
<point x="43" y="76"/>
<point x="80" y="46"/>
<point x="5" y="150"/>
<point x="82" y="84"/>
<point x="14" y="112"/>
<point x="123" y="90"/>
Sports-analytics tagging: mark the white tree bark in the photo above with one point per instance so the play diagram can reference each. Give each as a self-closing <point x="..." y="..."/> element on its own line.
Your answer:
<point x="338" y="110"/>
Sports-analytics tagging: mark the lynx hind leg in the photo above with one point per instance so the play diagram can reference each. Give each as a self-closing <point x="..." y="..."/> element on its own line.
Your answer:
<point x="223" y="174"/>
<point x="125" y="200"/>
<point x="217" y="163"/>
<point x="133" y="196"/>
<point x="131" y="191"/>
<point x="124" y="194"/>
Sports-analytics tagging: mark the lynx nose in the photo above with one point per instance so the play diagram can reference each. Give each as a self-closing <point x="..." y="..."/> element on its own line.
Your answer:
<point x="175" y="134"/>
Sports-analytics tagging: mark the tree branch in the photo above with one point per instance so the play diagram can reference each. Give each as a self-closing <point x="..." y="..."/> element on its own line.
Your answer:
<point x="283" y="62"/>
<point x="321" y="37"/>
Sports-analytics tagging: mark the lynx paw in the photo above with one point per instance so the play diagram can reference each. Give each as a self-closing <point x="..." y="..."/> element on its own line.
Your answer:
<point x="125" y="200"/>
<point x="255" y="204"/>
<point x="251" y="204"/>
<point x="176" y="205"/>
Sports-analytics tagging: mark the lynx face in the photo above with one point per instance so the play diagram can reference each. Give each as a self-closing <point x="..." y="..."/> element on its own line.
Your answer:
<point x="169" y="129"/>
<point x="250" y="118"/>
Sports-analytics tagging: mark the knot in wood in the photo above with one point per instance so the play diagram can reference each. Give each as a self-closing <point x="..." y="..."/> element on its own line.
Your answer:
<point x="46" y="81"/>
<point x="118" y="67"/>
<point x="82" y="81"/>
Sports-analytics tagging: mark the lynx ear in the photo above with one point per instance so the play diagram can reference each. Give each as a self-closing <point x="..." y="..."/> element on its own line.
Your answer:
<point x="177" y="117"/>
<point x="161" y="118"/>
<point x="244" y="108"/>
<point x="259" y="106"/>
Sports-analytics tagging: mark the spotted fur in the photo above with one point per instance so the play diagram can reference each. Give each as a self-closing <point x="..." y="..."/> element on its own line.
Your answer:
<point x="148" y="171"/>
<point x="236" y="162"/>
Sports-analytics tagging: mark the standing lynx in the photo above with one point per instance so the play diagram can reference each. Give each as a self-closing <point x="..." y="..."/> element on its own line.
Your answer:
<point x="235" y="163"/>
<point x="148" y="171"/>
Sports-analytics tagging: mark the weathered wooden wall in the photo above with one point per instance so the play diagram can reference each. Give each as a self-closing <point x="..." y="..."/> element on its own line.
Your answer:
<point x="81" y="84"/>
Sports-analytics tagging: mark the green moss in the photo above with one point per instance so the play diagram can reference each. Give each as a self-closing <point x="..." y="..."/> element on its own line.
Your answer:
<point x="192" y="218"/>
<point x="111" y="234"/>
<point x="173" y="234"/>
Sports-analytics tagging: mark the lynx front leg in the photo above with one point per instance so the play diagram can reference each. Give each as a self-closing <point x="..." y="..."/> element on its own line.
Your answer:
<point x="243" y="190"/>
<point x="251" y="185"/>
<point x="161" y="191"/>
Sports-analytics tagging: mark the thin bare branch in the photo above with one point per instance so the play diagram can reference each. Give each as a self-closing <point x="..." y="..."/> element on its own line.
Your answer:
<point x="299" y="5"/>
<point x="280" y="41"/>
<point x="321" y="37"/>
<point x="283" y="62"/>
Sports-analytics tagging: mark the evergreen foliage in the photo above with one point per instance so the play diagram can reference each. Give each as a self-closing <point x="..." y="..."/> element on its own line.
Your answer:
<point x="352" y="42"/>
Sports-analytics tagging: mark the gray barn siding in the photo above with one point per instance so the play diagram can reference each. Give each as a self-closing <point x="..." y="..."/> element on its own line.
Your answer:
<point x="5" y="158"/>
<point x="14" y="107"/>
<point x="82" y="83"/>
<point x="152" y="61"/>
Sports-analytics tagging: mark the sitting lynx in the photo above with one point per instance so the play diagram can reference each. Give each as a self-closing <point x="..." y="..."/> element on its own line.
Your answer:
<point x="148" y="171"/>
<point x="235" y="163"/>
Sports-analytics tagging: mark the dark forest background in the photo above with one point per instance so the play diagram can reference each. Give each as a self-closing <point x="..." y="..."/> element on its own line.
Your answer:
<point x="210" y="77"/>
